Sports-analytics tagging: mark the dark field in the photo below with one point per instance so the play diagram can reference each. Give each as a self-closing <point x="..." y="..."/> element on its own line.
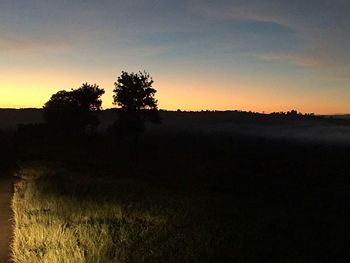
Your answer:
<point x="201" y="187"/>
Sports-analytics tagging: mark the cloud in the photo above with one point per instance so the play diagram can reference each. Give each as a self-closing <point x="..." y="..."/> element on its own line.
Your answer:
<point x="307" y="13"/>
<point x="304" y="60"/>
<point x="309" y="33"/>
<point x="27" y="46"/>
<point x="322" y="27"/>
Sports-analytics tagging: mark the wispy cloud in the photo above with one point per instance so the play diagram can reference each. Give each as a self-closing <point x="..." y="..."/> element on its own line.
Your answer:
<point x="323" y="29"/>
<point x="21" y="46"/>
<point x="304" y="60"/>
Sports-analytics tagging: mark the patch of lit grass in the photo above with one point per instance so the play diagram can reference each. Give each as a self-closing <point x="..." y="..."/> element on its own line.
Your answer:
<point x="66" y="221"/>
<point x="83" y="216"/>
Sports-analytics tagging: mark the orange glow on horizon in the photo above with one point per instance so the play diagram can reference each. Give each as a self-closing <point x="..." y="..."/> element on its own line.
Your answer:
<point x="32" y="90"/>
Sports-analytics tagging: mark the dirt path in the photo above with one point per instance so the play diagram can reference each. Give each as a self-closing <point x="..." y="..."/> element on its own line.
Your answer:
<point x="6" y="189"/>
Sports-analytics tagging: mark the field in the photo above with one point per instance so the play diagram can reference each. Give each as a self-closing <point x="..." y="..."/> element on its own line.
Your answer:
<point x="181" y="195"/>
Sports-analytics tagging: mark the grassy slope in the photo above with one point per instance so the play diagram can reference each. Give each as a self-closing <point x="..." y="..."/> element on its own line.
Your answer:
<point x="124" y="221"/>
<point x="80" y="219"/>
<point x="191" y="197"/>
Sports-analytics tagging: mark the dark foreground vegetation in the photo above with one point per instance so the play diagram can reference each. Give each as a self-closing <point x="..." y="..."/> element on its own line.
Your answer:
<point x="181" y="195"/>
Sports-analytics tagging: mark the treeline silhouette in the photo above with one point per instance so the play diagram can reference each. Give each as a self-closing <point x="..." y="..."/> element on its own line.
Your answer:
<point x="79" y="111"/>
<point x="12" y="118"/>
<point x="74" y="112"/>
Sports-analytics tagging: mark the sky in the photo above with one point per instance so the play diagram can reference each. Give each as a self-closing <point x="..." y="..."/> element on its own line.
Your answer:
<point x="265" y="56"/>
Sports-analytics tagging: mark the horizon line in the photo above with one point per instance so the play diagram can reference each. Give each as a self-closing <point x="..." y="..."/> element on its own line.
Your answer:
<point x="201" y="110"/>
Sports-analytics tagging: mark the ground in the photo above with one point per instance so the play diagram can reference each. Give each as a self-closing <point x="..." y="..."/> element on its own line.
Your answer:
<point x="184" y="193"/>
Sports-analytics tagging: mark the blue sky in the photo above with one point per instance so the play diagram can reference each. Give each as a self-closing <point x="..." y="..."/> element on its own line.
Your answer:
<point x="253" y="55"/>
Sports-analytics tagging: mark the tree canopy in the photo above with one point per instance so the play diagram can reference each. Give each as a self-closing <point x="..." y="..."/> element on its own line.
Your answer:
<point x="134" y="94"/>
<point x="134" y="91"/>
<point x="74" y="110"/>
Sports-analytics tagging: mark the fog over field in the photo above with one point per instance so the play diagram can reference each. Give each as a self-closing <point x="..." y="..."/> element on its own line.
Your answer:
<point x="332" y="129"/>
<point x="11" y="118"/>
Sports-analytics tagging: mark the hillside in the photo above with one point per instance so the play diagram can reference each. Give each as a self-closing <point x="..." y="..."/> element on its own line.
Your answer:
<point x="278" y="125"/>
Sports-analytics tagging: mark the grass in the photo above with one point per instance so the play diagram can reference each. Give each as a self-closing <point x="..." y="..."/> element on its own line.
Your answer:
<point x="187" y="199"/>
<point x="55" y="225"/>
<point x="120" y="220"/>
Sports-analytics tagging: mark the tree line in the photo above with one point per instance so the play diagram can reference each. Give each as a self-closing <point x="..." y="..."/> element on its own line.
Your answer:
<point x="75" y="111"/>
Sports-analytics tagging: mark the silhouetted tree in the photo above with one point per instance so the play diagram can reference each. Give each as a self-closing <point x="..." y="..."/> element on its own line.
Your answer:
<point x="74" y="111"/>
<point x="134" y="95"/>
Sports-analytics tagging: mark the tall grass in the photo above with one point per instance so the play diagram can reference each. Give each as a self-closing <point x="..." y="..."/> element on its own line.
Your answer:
<point x="57" y="222"/>
<point x="188" y="198"/>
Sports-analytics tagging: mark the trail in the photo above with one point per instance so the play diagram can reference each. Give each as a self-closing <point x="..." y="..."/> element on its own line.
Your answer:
<point x="6" y="191"/>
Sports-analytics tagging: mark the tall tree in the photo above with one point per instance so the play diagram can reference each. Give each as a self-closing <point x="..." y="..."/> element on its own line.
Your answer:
<point x="74" y="111"/>
<point x="134" y="94"/>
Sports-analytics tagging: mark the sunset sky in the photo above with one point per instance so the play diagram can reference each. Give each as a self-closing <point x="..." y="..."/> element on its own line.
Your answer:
<point x="269" y="55"/>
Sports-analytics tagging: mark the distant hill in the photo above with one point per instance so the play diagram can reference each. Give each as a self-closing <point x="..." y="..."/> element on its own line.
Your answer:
<point x="278" y="125"/>
<point x="342" y="116"/>
<point x="10" y="118"/>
